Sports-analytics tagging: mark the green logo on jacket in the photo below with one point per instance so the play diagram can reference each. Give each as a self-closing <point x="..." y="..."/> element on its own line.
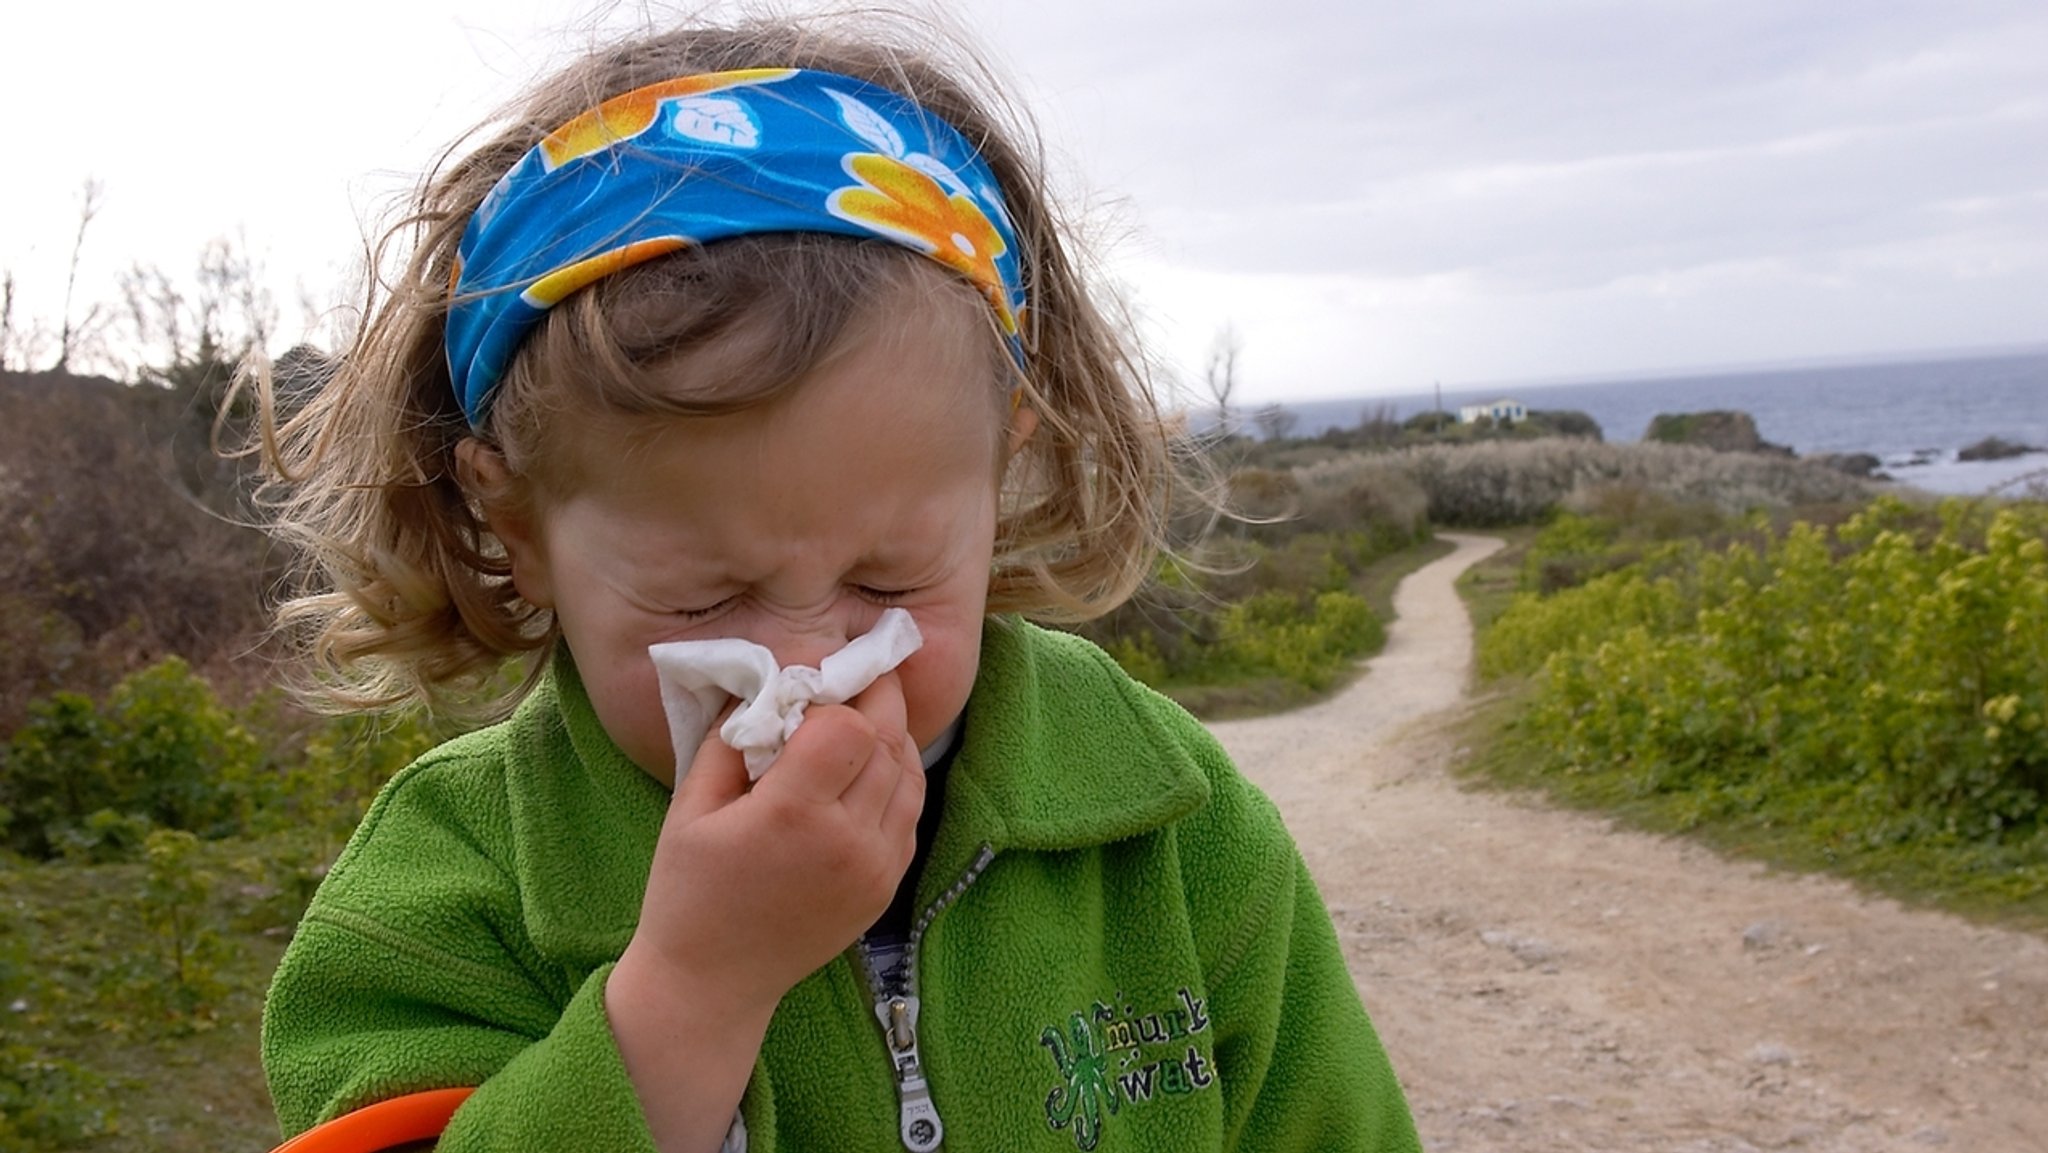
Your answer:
<point x="1110" y="1055"/>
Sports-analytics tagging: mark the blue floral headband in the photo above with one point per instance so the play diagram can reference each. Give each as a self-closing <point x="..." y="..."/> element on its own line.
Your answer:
<point x="704" y="158"/>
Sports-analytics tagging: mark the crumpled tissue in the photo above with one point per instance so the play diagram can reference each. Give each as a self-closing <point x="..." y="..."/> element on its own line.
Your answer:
<point x="697" y="676"/>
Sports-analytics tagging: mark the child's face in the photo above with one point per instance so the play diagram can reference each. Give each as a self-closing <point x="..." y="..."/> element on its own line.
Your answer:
<point x="793" y="526"/>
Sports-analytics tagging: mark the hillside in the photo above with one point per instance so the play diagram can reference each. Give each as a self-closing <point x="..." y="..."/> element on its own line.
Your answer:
<point x="117" y="537"/>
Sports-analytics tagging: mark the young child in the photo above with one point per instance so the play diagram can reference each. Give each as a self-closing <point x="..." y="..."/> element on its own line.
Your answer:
<point x="758" y="333"/>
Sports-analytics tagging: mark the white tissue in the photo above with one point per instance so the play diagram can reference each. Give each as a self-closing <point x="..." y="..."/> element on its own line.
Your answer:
<point x="697" y="676"/>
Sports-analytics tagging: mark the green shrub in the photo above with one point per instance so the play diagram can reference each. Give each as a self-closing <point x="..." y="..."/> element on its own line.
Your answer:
<point x="58" y="768"/>
<point x="342" y="764"/>
<point x="1561" y="422"/>
<point x="176" y="906"/>
<point x="1885" y="678"/>
<point x="161" y="750"/>
<point x="89" y="782"/>
<point x="1139" y="656"/>
<point x="197" y="765"/>
<point x="1275" y="633"/>
<point x="1251" y="610"/>
<point x="1568" y="552"/>
<point x="1246" y="603"/>
<point x="102" y="836"/>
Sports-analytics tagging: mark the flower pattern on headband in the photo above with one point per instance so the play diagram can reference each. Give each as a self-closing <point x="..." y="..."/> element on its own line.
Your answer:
<point x="904" y="204"/>
<point x="556" y="286"/>
<point x="625" y="117"/>
<point x="702" y="158"/>
<point x="918" y="200"/>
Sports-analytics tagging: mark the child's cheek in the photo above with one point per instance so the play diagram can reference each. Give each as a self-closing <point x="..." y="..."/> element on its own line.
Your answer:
<point x="937" y="680"/>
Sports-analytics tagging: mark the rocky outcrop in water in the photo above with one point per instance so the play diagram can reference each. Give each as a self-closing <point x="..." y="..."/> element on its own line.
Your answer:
<point x="1723" y="430"/>
<point x="1857" y="464"/>
<point x="1995" y="448"/>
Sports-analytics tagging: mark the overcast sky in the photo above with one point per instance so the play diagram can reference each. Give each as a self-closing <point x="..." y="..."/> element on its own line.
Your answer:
<point x="1377" y="195"/>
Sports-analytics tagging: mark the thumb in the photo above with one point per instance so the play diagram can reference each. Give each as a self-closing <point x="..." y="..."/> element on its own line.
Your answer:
<point x="717" y="777"/>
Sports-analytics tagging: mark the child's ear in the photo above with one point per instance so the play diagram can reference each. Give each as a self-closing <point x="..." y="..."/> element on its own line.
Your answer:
<point x="1023" y="422"/>
<point x="508" y="508"/>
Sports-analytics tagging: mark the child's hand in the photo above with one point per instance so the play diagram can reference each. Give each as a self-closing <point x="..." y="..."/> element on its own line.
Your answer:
<point x="753" y="890"/>
<point x="750" y="892"/>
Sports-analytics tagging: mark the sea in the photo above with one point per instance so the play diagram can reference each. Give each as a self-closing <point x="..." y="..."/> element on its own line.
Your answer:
<point x="1914" y="415"/>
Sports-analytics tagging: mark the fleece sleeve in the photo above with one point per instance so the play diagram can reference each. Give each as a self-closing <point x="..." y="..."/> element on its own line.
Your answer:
<point x="1302" y="1067"/>
<point x="409" y="972"/>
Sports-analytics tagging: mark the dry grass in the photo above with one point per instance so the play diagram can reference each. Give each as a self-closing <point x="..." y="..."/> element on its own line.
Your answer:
<point x="1518" y="482"/>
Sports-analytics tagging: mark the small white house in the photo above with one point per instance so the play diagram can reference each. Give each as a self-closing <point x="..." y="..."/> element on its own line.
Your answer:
<point x="1500" y="412"/>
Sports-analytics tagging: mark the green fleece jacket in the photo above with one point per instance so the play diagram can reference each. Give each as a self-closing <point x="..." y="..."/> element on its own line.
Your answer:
<point x="1127" y="953"/>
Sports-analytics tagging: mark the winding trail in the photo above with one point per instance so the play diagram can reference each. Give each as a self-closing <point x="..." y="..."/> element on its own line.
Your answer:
<point x="1545" y="981"/>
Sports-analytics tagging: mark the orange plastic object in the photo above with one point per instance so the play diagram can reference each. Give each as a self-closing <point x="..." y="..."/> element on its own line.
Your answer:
<point x="385" y="1125"/>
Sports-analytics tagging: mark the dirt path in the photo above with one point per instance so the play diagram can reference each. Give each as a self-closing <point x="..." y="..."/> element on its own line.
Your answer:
<point x="1547" y="982"/>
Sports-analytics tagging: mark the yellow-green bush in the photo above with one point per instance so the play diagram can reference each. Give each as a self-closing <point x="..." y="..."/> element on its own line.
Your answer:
<point x="1275" y="634"/>
<point x="1886" y="678"/>
<point x="1250" y="610"/>
<point x="1243" y="602"/>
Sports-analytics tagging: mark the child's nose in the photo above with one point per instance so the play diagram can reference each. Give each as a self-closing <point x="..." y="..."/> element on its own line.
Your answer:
<point x="809" y="641"/>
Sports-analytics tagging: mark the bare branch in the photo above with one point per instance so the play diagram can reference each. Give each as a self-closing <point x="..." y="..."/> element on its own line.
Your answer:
<point x="1222" y="375"/>
<point x="156" y="310"/>
<point x="1275" y="421"/>
<point x="90" y="195"/>
<point x="257" y="307"/>
<point x="22" y="339"/>
<point x="7" y="337"/>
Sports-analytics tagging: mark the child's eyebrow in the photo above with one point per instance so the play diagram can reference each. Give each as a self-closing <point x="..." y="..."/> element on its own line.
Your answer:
<point x="653" y="569"/>
<point x="937" y="551"/>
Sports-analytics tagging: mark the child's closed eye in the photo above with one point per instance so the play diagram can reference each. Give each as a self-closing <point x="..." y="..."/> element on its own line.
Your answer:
<point x="881" y="596"/>
<point x="704" y="613"/>
<point x="871" y="593"/>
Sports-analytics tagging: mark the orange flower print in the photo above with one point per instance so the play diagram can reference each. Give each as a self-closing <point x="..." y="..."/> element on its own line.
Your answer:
<point x="902" y="203"/>
<point x="624" y="117"/>
<point x="556" y="286"/>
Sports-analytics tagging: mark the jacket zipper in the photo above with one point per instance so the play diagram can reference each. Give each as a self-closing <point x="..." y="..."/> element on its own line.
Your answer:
<point x="896" y="1008"/>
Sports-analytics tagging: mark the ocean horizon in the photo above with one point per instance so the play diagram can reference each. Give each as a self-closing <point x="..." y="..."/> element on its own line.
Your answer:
<point x="1913" y="415"/>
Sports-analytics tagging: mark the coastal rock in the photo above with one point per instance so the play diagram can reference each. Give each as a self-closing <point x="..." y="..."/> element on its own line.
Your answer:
<point x="1723" y="430"/>
<point x="1858" y="464"/>
<point x="1995" y="448"/>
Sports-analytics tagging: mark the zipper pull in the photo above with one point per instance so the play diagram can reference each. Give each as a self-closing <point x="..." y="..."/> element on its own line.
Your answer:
<point x="921" y="1128"/>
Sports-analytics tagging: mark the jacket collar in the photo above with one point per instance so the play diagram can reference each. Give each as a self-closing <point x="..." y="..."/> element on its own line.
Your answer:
<point x="1062" y="750"/>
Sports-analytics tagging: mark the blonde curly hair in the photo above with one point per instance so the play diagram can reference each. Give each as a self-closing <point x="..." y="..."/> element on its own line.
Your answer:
<point x="406" y="596"/>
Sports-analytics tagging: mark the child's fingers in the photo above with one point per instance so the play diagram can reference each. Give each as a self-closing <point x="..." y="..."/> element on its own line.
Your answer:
<point x="882" y="702"/>
<point x="824" y="756"/>
<point x="867" y="795"/>
<point x="717" y="778"/>
<point x="899" y="816"/>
